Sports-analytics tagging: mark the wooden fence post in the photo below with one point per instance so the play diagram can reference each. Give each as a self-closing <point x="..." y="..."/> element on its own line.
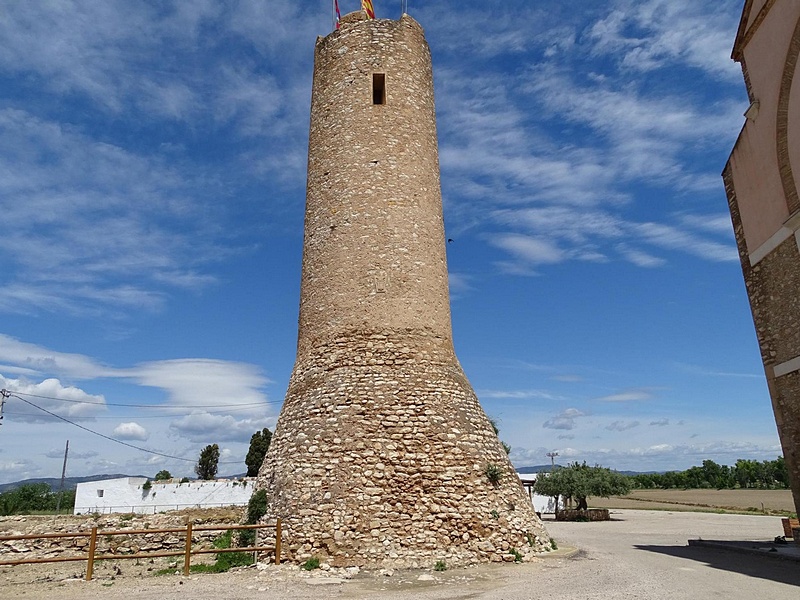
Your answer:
<point x="92" y="546"/>
<point x="187" y="557"/>
<point x="278" y="541"/>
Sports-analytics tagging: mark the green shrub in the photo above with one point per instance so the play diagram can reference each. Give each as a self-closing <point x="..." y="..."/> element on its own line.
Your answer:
<point x="311" y="564"/>
<point x="516" y="554"/>
<point x="256" y="508"/>
<point x="226" y="560"/>
<point x="440" y="566"/>
<point x="494" y="473"/>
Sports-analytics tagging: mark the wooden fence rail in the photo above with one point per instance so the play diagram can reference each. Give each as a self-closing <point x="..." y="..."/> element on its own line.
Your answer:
<point x="91" y="556"/>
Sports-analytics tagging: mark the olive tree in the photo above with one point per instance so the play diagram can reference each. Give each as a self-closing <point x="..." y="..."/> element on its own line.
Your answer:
<point x="579" y="481"/>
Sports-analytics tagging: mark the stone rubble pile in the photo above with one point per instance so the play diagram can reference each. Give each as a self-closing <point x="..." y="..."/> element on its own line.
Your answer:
<point x="107" y="544"/>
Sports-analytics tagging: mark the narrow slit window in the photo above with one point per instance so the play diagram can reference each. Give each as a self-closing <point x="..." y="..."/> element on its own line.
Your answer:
<point x="379" y="88"/>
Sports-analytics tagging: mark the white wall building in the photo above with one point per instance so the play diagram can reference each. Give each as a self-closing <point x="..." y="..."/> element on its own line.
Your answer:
<point x="542" y="504"/>
<point x="129" y="495"/>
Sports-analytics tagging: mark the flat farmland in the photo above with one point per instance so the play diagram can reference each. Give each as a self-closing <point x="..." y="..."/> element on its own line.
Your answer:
<point x="748" y="501"/>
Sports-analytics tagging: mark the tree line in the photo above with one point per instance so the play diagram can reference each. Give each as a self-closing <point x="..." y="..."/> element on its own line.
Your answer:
<point x="35" y="497"/>
<point x="745" y="474"/>
<point x="579" y="481"/>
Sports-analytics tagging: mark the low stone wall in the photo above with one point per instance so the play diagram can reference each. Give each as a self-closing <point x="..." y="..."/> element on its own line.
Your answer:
<point x="593" y="514"/>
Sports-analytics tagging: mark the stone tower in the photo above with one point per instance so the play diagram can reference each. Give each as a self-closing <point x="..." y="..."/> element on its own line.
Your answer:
<point x="382" y="453"/>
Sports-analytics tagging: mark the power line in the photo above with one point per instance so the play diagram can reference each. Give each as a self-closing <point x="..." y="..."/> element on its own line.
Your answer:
<point x="52" y="414"/>
<point x="139" y="417"/>
<point x="159" y="406"/>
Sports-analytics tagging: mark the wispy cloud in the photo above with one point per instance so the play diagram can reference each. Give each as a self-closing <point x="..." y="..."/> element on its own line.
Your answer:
<point x="650" y="34"/>
<point x="622" y="425"/>
<point x="204" y="385"/>
<point x="565" y="420"/>
<point x="632" y="395"/>
<point x="517" y="394"/>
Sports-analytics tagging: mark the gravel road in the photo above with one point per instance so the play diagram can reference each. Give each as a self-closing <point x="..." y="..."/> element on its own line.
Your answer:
<point x="640" y="554"/>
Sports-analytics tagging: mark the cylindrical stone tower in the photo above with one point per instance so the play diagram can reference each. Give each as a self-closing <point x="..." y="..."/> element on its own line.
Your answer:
<point x="382" y="453"/>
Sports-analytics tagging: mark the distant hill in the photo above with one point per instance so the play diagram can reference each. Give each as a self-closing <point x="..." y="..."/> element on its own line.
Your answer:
<point x="536" y="469"/>
<point x="70" y="483"/>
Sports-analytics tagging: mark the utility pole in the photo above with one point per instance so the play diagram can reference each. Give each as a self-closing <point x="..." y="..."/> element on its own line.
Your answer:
<point x="3" y="395"/>
<point x="63" y="472"/>
<point x="552" y="456"/>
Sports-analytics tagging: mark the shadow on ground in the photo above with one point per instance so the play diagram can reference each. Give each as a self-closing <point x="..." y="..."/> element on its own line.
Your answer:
<point x="752" y="565"/>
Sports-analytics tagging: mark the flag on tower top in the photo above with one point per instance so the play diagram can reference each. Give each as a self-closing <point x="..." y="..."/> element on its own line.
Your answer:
<point x="366" y="6"/>
<point x="338" y="14"/>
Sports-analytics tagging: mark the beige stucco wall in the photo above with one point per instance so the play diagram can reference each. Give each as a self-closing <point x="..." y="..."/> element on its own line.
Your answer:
<point x="754" y="161"/>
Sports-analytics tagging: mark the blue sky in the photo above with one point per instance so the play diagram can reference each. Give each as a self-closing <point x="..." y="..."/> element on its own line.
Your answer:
<point x="152" y="175"/>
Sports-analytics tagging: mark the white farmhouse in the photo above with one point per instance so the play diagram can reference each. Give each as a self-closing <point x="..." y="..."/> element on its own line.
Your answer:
<point x="133" y="495"/>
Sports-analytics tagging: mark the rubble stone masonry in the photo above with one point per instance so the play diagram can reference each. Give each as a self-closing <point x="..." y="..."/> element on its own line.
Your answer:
<point x="381" y="451"/>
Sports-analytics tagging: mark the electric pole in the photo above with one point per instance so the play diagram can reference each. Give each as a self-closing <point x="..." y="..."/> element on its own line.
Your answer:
<point x="63" y="472"/>
<point x="552" y="456"/>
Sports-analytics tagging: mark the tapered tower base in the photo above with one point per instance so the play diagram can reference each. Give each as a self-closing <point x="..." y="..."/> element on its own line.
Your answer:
<point x="388" y="461"/>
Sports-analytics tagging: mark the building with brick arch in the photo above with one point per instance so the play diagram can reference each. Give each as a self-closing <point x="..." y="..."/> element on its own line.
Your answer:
<point x="761" y="181"/>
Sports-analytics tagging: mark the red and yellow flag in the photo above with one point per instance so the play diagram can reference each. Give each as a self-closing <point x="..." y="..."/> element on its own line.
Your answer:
<point x="366" y="6"/>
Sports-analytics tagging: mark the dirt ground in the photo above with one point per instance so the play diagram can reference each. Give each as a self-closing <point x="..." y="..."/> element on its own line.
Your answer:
<point x="590" y="561"/>
<point x="777" y="502"/>
<point x="639" y="554"/>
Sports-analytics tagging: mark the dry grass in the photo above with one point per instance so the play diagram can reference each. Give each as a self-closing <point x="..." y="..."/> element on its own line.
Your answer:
<point x="774" y="502"/>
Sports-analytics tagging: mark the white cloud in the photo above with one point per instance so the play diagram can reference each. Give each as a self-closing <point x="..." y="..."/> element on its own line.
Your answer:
<point x="204" y="382"/>
<point x="19" y="469"/>
<point x="42" y="361"/>
<point x="130" y="431"/>
<point x="667" y="32"/>
<point x="59" y="453"/>
<point x="517" y="394"/>
<point x="529" y="249"/>
<point x="660" y="422"/>
<point x="565" y="420"/>
<point x="622" y="425"/>
<point x="52" y="398"/>
<point x="632" y="395"/>
<point x="671" y="237"/>
<point x="203" y="427"/>
<point x="640" y="258"/>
